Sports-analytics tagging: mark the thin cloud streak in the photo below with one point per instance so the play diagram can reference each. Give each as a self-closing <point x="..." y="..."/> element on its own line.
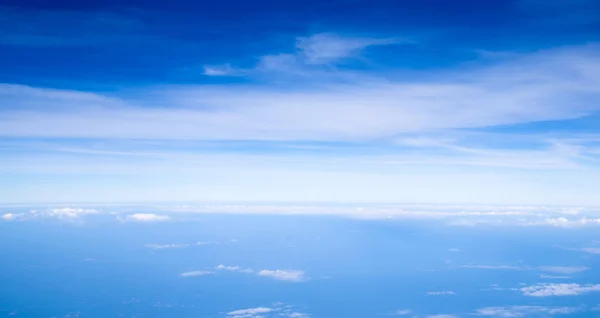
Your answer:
<point x="378" y="109"/>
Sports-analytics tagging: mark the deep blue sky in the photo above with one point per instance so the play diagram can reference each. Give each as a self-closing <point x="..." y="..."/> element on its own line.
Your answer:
<point x="140" y="42"/>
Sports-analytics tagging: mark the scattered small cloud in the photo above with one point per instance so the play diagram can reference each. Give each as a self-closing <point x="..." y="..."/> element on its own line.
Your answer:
<point x="195" y="273"/>
<point x="285" y="275"/>
<point x="441" y="316"/>
<point x="440" y="293"/>
<point x="147" y="217"/>
<point x="278" y="274"/>
<point x="524" y="311"/>
<point x="545" y="290"/>
<point x="66" y="213"/>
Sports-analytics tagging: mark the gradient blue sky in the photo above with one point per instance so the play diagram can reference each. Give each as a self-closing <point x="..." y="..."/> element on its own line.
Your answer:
<point x="395" y="101"/>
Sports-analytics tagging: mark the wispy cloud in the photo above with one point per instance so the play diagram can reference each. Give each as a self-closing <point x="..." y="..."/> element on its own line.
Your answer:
<point x="196" y="273"/>
<point x="563" y="269"/>
<point x="11" y="216"/>
<point x="501" y="267"/>
<point x="373" y="109"/>
<point x="169" y="246"/>
<point x="440" y="293"/>
<point x="378" y="129"/>
<point x="525" y="311"/>
<point x="591" y="250"/>
<point x="402" y="312"/>
<point x="285" y="275"/>
<point x="250" y="312"/>
<point x="327" y="48"/>
<point x="554" y="276"/>
<point x="546" y="290"/>
<point x="147" y="217"/>
<point x="547" y="269"/>
<point x="321" y="49"/>
<point x="221" y="70"/>
<point x="165" y="246"/>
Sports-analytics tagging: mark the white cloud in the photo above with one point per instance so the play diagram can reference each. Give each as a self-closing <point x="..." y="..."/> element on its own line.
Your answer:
<point x="279" y="274"/>
<point x="545" y="290"/>
<point x="147" y="217"/>
<point x="524" y="311"/>
<point x="250" y="312"/>
<point x="68" y="212"/>
<point x="285" y="275"/>
<point x="195" y="273"/>
<point x="440" y="293"/>
<point x="11" y="216"/>
<point x="227" y="268"/>
<point x="441" y="316"/>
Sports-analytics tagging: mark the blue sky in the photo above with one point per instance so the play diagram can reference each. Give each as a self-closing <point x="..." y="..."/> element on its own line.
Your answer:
<point x="235" y="261"/>
<point x="385" y="101"/>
